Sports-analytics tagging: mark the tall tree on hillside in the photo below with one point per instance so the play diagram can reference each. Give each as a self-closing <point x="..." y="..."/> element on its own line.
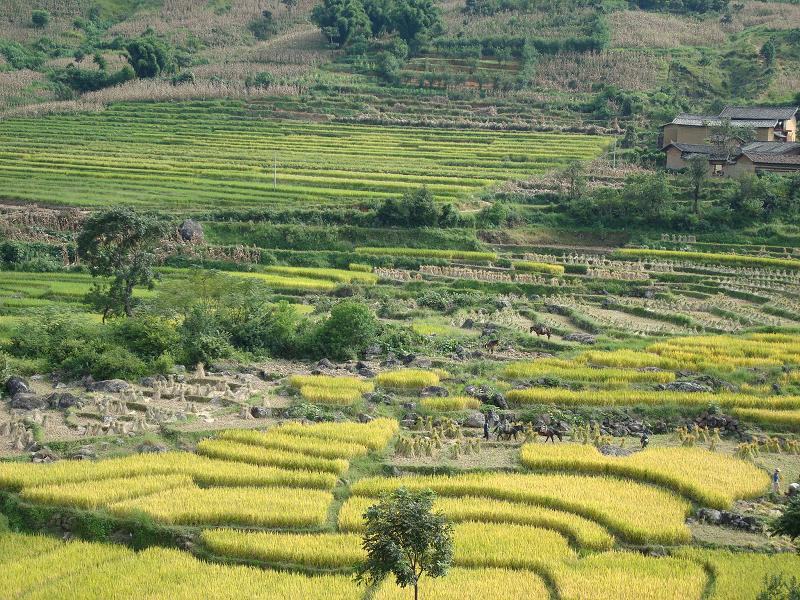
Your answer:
<point x="405" y="538"/>
<point x="697" y="172"/>
<point x="120" y="244"/>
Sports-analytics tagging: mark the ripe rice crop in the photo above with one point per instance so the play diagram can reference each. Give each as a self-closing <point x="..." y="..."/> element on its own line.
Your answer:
<point x="585" y="533"/>
<point x="326" y="395"/>
<point x="202" y="470"/>
<point x="460" y="584"/>
<point x="538" y="267"/>
<point x="710" y="478"/>
<point x="507" y="545"/>
<point x="14" y="546"/>
<point x="245" y="453"/>
<point x="265" y="507"/>
<point x="430" y="253"/>
<point x="289" y="283"/>
<point x="783" y="418"/>
<point x="638" y="512"/>
<point x="628" y="576"/>
<point x="92" y="571"/>
<point x="293" y="443"/>
<point x="94" y="494"/>
<point x="450" y="403"/>
<point x="631" y="397"/>
<point x="337" y="275"/>
<point x="627" y="358"/>
<point x="360" y="267"/>
<point x="575" y="372"/>
<point x="319" y="550"/>
<point x="374" y="435"/>
<point x="708" y="257"/>
<point x="727" y="352"/>
<point x="740" y="575"/>
<point x="475" y="545"/>
<point x="407" y="379"/>
<point x="327" y="381"/>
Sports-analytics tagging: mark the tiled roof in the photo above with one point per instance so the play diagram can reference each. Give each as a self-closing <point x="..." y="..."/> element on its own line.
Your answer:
<point x="776" y="148"/>
<point x="756" y="113"/>
<point x="707" y="120"/>
<point x="773" y="159"/>
<point x="688" y="150"/>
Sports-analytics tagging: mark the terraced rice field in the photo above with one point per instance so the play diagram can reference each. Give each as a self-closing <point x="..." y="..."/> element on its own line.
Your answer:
<point x="195" y="156"/>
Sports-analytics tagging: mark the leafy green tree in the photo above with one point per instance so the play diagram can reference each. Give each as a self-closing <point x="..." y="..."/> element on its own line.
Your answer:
<point x="150" y="56"/>
<point x="120" y="244"/>
<point x="342" y="21"/>
<point x="768" y="53"/>
<point x="697" y="172"/>
<point x="40" y="18"/>
<point x="574" y="178"/>
<point x="264" y="26"/>
<point x="387" y="67"/>
<point x="788" y="523"/>
<point x="650" y="195"/>
<point x="405" y="538"/>
<point x="422" y="210"/>
<point x="415" y="20"/>
<point x="348" y="330"/>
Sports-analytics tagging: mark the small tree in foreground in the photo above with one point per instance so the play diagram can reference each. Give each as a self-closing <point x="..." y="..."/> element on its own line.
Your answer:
<point x="120" y="244"/>
<point x="404" y="537"/>
<point x="778" y="588"/>
<point x="788" y="523"/>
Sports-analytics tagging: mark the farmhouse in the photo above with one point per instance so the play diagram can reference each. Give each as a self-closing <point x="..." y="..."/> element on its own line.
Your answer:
<point x="774" y="130"/>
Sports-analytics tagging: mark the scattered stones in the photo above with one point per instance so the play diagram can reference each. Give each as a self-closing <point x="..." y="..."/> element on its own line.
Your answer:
<point x="794" y="489"/>
<point x="44" y="455"/>
<point x="372" y="352"/>
<point x="260" y="412"/>
<point x="582" y="338"/>
<point x="27" y="401"/>
<point x="487" y="396"/>
<point x="84" y="453"/>
<point x="434" y="390"/>
<point x="611" y="450"/>
<point x="365" y="418"/>
<point x="111" y="386"/>
<point x="325" y="364"/>
<point x="730" y="519"/>
<point x="685" y="387"/>
<point x="148" y="447"/>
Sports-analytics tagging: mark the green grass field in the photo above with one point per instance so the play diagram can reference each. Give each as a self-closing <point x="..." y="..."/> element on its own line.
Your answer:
<point x="197" y="156"/>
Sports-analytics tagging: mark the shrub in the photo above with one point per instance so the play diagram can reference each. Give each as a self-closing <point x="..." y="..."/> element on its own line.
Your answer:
<point x="349" y="329"/>
<point x="264" y="26"/>
<point x="40" y="18"/>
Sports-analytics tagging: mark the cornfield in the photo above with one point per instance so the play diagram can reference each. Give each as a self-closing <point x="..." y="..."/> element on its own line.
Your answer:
<point x="265" y="507"/>
<point x="226" y="450"/>
<point x="407" y="379"/>
<point x="450" y="403"/>
<point x="614" y="503"/>
<point x="710" y="478"/>
<point x="585" y="533"/>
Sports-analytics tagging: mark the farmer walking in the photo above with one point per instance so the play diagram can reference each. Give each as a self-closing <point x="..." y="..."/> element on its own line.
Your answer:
<point x="776" y="481"/>
<point x="486" y="419"/>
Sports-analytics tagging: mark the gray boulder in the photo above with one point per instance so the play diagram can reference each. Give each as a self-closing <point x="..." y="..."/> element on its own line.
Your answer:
<point x="474" y="420"/>
<point x="24" y="401"/>
<point x="191" y="231"/>
<point x="17" y="385"/>
<point x="685" y="387"/>
<point x="62" y="400"/>
<point x="582" y="338"/>
<point x="111" y="386"/>
<point x="710" y="515"/>
<point x="260" y="412"/>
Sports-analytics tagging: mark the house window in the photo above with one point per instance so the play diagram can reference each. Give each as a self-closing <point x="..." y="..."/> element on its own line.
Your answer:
<point x="718" y="169"/>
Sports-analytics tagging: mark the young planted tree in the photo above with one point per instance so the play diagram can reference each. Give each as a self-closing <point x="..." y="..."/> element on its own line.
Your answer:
<point x="697" y="172"/>
<point x="405" y="538"/>
<point x="120" y="244"/>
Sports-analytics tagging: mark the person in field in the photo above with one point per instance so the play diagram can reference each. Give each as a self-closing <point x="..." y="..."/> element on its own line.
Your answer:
<point x="776" y="481"/>
<point x="644" y="440"/>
